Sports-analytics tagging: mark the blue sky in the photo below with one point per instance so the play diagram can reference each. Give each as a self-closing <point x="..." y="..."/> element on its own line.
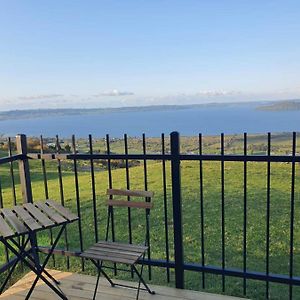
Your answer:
<point x="125" y="52"/>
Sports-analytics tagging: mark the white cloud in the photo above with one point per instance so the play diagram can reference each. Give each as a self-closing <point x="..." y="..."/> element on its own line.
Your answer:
<point x="40" y="97"/>
<point x="217" y="93"/>
<point x="116" y="98"/>
<point x="205" y="96"/>
<point x="114" y="92"/>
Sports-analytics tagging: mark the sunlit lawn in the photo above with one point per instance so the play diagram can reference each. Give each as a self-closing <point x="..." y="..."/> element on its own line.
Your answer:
<point x="234" y="204"/>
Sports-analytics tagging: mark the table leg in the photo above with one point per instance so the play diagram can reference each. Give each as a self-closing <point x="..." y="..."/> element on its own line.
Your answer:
<point x="38" y="266"/>
<point x="38" y="270"/>
<point x="14" y="265"/>
<point x="33" y="261"/>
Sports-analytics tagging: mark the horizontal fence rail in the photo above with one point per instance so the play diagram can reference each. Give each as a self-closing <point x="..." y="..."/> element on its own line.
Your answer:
<point x="172" y="204"/>
<point x="193" y="157"/>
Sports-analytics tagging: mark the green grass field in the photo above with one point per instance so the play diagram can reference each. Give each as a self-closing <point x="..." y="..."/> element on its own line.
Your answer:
<point x="256" y="211"/>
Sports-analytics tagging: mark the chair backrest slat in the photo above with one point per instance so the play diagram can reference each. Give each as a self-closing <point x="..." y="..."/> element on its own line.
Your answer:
<point x="130" y="193"/>
<point x="130" y="204"/>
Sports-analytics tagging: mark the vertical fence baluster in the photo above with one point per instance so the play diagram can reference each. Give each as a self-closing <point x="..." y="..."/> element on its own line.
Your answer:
<point x="94" y="198"/>
<point x="223" y="209"/>
<point x="44" y="168"/>
<point x="13" y="185"/>
<point x="146" y="188"/>
<point x="145" y="163"/>
<point x="292" y="215"/>
<point x="77" y="198"/>
<point x="43" y="165"/>
<point x="12" y="175"/>
<point x="177" y="210"/>
<point x="165" y="205"/>
<point x="24" y="171"/>
<point x="1" y="206"/>
<point x="1" y="196"/>
<point x="110" y="185"/>
<point x="62" y="196"/>
<point x="268" y="216"/>
<point x="128" y="188"/>
<point x="245" y="218"/>
<point x="201" y="210"/>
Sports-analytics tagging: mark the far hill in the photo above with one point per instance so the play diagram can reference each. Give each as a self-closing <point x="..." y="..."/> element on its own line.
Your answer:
<point x="281" y="105"/>
<point x="288" y="105"/>
<point x="40" y="113"/>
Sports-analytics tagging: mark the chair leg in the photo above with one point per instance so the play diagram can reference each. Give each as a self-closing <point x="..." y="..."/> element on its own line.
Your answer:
<point x="139" y="284"/>
<point x="141" y="280"/>
<point x="97" y="283"/>
<point x="138" y="290"/>
<point x="99" y="268"/>
<point x="107" y="277"/>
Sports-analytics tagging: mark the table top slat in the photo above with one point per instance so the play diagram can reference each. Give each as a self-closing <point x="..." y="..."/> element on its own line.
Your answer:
<point x="5" y="230"/>
<point x="62" y="210"/>
<point x="108" y="257"/>
<point x="29" y="221"/>
<point x="115" y="251"/>
<point x="22" y="219"/>
<point x="13" y="220"/>
<point x="52" y="214"/>
<point x="38" y="215"/>
<point x="121" y="246"/>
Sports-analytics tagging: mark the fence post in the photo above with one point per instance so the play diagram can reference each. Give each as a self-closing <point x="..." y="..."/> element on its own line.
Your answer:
<point x="24" y="171"/>
<point x="176" y="199"/>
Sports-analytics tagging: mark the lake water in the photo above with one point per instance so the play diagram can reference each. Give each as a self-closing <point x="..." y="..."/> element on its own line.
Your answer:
<point x="191" y="121"/>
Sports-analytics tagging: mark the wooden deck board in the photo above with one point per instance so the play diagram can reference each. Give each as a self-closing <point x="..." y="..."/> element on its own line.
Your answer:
<point x="81" y="287"/>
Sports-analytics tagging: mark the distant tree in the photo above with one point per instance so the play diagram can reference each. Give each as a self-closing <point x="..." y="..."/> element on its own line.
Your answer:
<point x="4" y="146"/>
<point x="33" y="144"/>
<point x="68" y="148"/>
<point x="119" y="163"/>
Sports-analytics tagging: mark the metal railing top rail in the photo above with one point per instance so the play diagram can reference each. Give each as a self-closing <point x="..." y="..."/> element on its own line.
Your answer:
<point x="8" y="159"/>
<point x="195" y="157"/>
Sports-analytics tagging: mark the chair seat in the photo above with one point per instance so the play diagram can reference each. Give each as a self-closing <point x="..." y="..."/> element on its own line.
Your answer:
<point x="115" y="252"/>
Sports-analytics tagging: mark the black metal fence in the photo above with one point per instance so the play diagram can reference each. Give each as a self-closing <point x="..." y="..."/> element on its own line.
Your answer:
<point x="173" y="258"/>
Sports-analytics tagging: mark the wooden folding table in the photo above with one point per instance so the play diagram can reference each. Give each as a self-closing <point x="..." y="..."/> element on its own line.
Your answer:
<point x="23" y="222"/>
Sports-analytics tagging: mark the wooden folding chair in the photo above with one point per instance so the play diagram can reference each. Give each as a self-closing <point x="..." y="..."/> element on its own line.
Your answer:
<point x="124" y="253"/>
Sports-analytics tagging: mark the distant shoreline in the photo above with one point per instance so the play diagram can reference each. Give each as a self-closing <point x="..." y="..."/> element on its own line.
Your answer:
<point x="282" y="105"/>
<point x="38" y="113"/>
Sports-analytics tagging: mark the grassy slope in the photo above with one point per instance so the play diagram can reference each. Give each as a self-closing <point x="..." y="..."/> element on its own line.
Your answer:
<point x="280" y="210"/>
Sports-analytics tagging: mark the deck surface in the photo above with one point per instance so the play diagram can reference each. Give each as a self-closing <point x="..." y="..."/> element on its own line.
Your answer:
<point x="80" y="287"/>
